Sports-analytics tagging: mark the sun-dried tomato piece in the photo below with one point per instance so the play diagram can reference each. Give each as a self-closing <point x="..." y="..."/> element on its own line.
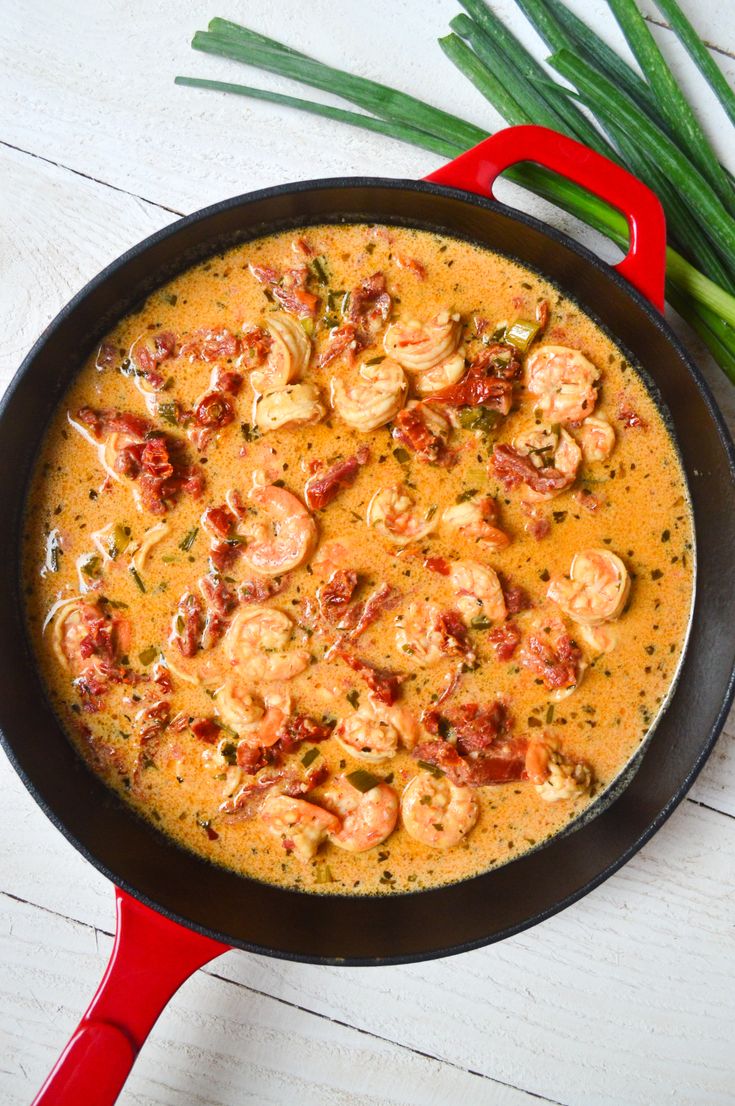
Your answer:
<point x="188" y="624"/>
<point x="512" y="468"/>
<point x="384" y="683"/>
<point x="505" y="640"/>
<point x="335" y="595"/>
<point x="477" y="727"/>
<point x="214" y="410"/>
<point x="206" y="730"/>
<point x="413" y="431"/>
<point x="322" y="487"/>
<point x="553" y="658"/>
<point x="210" y="345"/>
<point x="341" y="340"/>
<point x="369" y="306"/>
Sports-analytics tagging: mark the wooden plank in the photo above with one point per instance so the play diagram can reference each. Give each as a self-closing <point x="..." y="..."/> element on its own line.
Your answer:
<point x="90" y="87"/>
<point x="217" y="1041"/>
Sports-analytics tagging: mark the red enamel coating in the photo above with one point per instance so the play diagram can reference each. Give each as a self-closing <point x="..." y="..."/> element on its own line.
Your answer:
<point x="645" y="263"/>
<point x="151" y="958"/>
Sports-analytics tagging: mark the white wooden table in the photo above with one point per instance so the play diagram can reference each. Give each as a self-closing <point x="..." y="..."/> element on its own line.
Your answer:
<point x="627" y="997"/>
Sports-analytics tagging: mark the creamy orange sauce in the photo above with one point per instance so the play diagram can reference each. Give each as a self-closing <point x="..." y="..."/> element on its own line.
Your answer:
<point x="180" y="781"/>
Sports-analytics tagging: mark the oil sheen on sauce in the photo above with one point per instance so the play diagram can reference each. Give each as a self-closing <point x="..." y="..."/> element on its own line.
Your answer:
<point x="632" y="503"/>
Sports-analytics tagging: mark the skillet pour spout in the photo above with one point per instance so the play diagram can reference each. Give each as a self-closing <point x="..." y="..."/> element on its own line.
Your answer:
<point x="175" y="910"/>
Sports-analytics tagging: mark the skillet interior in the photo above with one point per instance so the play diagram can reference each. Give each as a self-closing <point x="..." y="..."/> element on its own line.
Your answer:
<point x="447" y="919"/>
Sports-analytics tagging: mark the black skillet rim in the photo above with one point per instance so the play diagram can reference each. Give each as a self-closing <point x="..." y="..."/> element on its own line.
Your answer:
<point x="654" y="316"/>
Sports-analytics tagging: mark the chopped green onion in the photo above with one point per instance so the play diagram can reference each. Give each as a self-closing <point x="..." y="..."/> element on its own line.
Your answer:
<point x="434" y="769"/>
<point x="362" y="780"/>
<point x="147" y="656"/>
<point x="169" y="413"/>
<point x="309" y="757"/>
<point x="53" y="551"/>
<point x="136" y="576"/>
<point x="119" y="540"/>
<point x="480" y="622"/>
<point x="521" y="334"/>
<point x="318" y="266"/>
<point x="466" y="494"/>
<point x="188" y="540"/>
<point x="323" y="873"/>
<point x="91" y="567"/>
<point x="228" y="751"/>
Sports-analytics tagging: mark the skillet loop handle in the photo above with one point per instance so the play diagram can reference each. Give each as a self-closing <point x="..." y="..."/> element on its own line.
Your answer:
<point x="644" y="266"/>
<point x="151" y="958"/>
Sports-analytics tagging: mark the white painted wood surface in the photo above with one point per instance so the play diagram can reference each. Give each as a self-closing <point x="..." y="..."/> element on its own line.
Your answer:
<point x="627" y="997"/>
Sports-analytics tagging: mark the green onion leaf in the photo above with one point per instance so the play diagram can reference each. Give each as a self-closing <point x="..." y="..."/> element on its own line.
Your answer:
<point x="188" y="540"/>
<point x="434" y="769"/>
<point x="362" y="780"/>
<point x="699" y="54"/>
<point x="521" y="334"/>
<point x="136" y="576"/>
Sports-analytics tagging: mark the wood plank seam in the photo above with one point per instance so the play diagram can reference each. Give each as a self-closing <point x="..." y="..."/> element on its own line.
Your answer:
<point x="710" y="45"/>
<point x="89" y="177"/>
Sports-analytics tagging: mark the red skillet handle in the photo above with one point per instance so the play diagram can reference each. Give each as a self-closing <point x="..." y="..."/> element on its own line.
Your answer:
<point x="151" y="958"/>
<point x="645" y="263"/>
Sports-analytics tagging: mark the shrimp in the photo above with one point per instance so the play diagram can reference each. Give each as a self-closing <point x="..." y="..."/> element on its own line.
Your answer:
<point x="419" y="347"/>
<point x="554" y="775"/>
<point x="373" y="400"/>
<point x="479" y="596"/>
<point x="295" y="403"/>
<point x="284" y="539"/>
<point x="331" y="557"/>
<point x="151" y="538"/>
<point x="287" y="358"/>
<point x="368" y="734"/>
<point x="597" y="438"/>
<point x="564" y="381"/>
<point x="599" y="639"/>
<point x="596" y="589"/>
<point x="548" y="448"/>
<point x="426" y="634"/>
<point x="257" y="645"/>
<point x="258" y="722"/>
<point x="437" y="812"/>
<point x="441" y="376"/>
<point x="392" y="512"/>
<point x="403" y="720"/>
<point x="367" y="817"/>
<point x="301" y="826"/>
<point x="235" y="705"/>
<point x="476" y="519"/>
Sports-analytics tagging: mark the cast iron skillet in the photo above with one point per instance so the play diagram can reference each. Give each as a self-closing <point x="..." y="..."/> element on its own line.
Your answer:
<point x="154" y="953"/>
